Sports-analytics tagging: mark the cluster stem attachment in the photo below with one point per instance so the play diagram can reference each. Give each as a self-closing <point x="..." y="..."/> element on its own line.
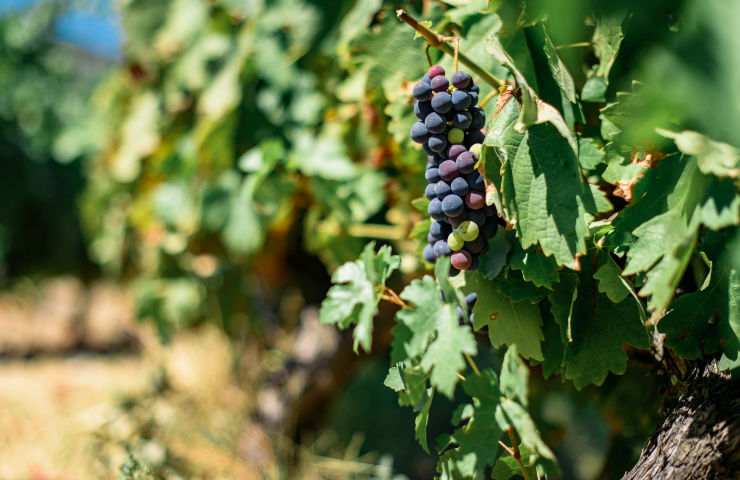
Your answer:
<point x="440" y="41"/>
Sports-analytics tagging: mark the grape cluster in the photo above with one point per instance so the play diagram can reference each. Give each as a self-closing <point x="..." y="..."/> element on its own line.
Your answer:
<point x="449" y="131"/>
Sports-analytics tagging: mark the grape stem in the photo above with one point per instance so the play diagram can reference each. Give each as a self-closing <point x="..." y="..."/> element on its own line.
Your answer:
<point x="514" y="452"/>
<point x="439" y="41"/>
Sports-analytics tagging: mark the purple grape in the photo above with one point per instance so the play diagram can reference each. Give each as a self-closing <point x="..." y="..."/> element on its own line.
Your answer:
<point x="429" y="191"/>
<point x="473" y="98"/>
<point x="466" y="162"/>
<point x="442" y="189"/>
<point x="473" y="136"/>
<point x="435" y="209"/>
<point x="476" y="216"/>
<point x="452" y="205"/>
<point x="437" y="142"/>
<point x="460" y="100"/>
<point x="435" y="71"/>
<point x="441" y="249"/>
<point x="474" y="262"/>
<point x="459" y="186"/>
<point x="419" y="132"/>
<point x="477" y="245"/>
<point x="442" y="102"/>
<point x="435" y="123"/>
<point x="422" y="91"/>
<point x="489" y="229"/>
<point x="454" y="150"/>
<point x="440" y="84"/>
<point x="457" y="220"/>
<point x="432" y="175"/>
<point x="448" y="170"/>
<point x="422" y="109"/>
<point x="479" y="118"/>
<point x="461" y="260"/>
<point x="454" y="272"/>
<point x="475" y="200"/>
<point x="429" y="254"/>
<point x="473" y="87"/>
<point x="461" y="79"/>
<point x="475" y="181"/>
<point x="461" y="119"/>
<point x="431" y="239"/>
<point x="426" y="79"/>
<point x="434" y="160"/>
<point x="440" y="229"/>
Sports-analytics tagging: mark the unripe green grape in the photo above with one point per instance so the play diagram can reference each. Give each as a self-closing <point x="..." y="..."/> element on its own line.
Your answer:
<point x="455" y="241"/>
<point x="468" y="231"/>
<point x="475" y="148"/>
<point x="456" y="135"/>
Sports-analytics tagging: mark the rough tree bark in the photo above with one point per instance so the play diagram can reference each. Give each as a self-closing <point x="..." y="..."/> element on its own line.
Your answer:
<point x="700" y="436"/>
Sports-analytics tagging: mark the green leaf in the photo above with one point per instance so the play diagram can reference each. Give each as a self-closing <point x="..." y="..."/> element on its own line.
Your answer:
<point x="514" y="377"/>
<point x="611" y="282"/>
<point x="558" y="69"/>
<point x="536" y="268"/>
<point x="720" y="159"/>
<point x="517" y="289"/>
<point x="599" y="328"/>
<point x="534" y="110"/>
<point x="606" y="40"/>
<point x="353" y="300"/>
<point x="517" y="416"/>
<point x="422" y="420"/>
<point x="507" y="466"/>
<point x="394" y="380"/>
<point x="508" y="322"/>
<point x="421" y="320"/>
<point x="443" y="359"/>
<point x="589" y="155"/>
<point x="491" y="264"/>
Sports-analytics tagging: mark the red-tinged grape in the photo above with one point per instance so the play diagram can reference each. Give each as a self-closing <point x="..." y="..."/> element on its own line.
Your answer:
<point x="453" y="151"/>
<point x="466" y="162"/>
<point x="448" y="170"/>
<point x="475" y="200"/>
<point x="436" y="71"/>
<point x="461" y="260"/>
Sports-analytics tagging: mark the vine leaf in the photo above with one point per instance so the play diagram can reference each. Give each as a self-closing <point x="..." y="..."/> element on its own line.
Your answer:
<point x="508" y="322"/>
<point x="353" y="300"/>
<point x="558" y="69"/>
<point x="514" y="376"/>
<point x="542" y="271"/>
<point x="422" y="420"/>
<point x="534" y="110"/>
<point x="506" y="466"/>
<point x="611" y="282"/>
<point x="720" y="159"/>
<point x="606" y="40"/>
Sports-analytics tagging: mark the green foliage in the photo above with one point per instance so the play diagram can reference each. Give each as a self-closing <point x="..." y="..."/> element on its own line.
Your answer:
<point x="619" y="218"/>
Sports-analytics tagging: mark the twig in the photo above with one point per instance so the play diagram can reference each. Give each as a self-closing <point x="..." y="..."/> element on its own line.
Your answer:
<point x="460" y="377"/>
<point x="488" y="97"/>
<point x="472" y="363"/>
<point x="429" y="58"/>
<point x="505" y="447"/>
<point x="438" y="41"/>
<point x="517" y="455"/>
<point x="571" y="45"/>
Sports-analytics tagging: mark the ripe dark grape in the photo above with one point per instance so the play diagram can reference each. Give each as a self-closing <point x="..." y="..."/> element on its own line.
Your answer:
<point x="452" y="205"/>
<point x="432" y="175"/>
<point x="477" y="216"/>
<point x="440" y="84"/>
<point x="441" y="249"/>
<point x="459" y="185"/>
<point x="422" y="109"/>
<point x="453" y="151"/>
<point x="422" y="91"/>
<point x="449" y="125"/>
<point x="429" y="191"/>
<point x="466" y="162"/>
<point x="475" y="200"/>
<point x="441" y="102"/>
<point x="440" y="229"/>
<point x="437" y="143"/>
<point x="475" y="181"/>
<point x="442" y="189"/>
<point x="470" y="300"/>
<point x="419" y="132"/>
<point x="435" y="123"/>
<point x="460" y="100"/>
<point x="461" y="79"/>
<point x="448" y="170"/>
<point x="461" y="119"/>
<point x="429" y="254"/>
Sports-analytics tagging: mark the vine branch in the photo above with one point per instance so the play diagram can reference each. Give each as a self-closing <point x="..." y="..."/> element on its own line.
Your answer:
<point x="439" y="41"/>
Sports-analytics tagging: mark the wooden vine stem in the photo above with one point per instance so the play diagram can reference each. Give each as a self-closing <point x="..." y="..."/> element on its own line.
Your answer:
<point x="440" y="41"/>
